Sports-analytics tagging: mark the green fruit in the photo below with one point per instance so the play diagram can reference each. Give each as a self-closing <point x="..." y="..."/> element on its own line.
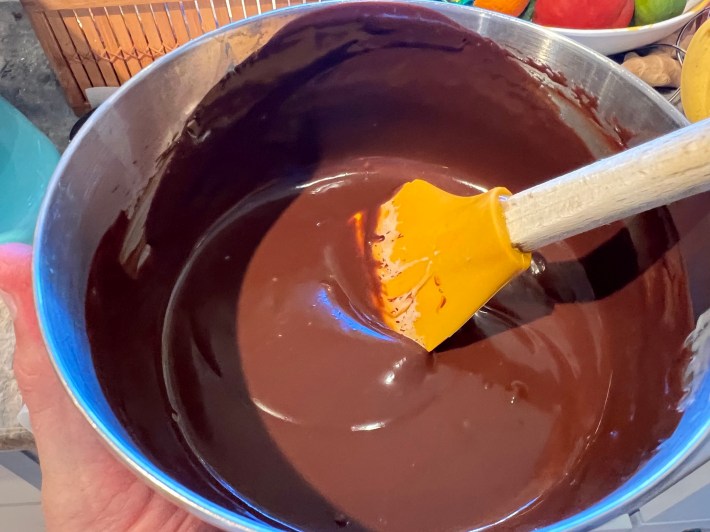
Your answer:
<point x="651" y="11"/>
<point x="528" y="13"/>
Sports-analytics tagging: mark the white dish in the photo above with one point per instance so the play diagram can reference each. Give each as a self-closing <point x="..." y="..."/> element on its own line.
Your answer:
<point x="614" y="41"/>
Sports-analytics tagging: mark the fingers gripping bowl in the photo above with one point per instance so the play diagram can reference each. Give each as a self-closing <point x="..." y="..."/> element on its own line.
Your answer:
<point x="123" y="371"/>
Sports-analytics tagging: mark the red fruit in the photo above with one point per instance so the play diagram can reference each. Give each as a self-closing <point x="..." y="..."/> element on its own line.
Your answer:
<point x="584" y="14"/>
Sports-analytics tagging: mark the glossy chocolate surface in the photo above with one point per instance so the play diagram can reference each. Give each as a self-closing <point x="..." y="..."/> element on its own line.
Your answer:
<point x="241" y="352"/>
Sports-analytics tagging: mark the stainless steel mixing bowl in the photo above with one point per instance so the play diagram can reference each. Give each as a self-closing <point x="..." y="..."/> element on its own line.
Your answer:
<point x="107" y="167"/>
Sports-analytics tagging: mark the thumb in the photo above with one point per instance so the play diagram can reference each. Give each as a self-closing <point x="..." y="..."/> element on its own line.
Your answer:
<point x="33" y="371"/>
<point x="63" y="437"/>
<point x="81" y="481"/>
<point x="39" y="385"/>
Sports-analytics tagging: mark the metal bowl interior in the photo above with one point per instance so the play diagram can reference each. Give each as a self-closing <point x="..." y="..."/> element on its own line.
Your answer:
<point x="106" y="170"/>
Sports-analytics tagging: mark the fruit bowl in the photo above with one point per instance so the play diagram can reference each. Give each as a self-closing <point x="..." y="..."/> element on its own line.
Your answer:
<point x="605" y="41"/>
<point x="614" y="41"/>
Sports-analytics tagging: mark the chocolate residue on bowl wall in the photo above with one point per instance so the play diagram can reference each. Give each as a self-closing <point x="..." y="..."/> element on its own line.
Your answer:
<point x="242" y="356"/>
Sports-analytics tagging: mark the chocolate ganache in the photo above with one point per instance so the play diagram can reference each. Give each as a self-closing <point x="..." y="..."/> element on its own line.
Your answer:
<point x="243" y="354"/>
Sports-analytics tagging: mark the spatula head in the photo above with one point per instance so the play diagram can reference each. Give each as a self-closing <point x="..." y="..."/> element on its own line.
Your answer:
<point x="439" y="258"/>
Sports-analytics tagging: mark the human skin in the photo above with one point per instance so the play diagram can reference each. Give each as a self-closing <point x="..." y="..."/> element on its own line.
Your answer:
<point x="84" y="487"/>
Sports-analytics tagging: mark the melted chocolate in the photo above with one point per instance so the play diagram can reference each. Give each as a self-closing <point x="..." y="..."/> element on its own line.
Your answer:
<point x="242" y="356"/>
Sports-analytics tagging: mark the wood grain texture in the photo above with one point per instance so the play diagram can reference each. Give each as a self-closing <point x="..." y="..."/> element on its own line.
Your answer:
<point x="657" y="173"/>
<point x="208" y="17"/>
<point x="222" y="12"/>
<point x="73" y="92"/>
<point x="103" y="43"/>
<point x="137" y="34"/>
<point x="93" y="40"/>
<point x="174" y="16"/>
<point x="56" y="5"/>
<point x="192" y="18"/>
<point x="59" y="30"/>
<point x="112" y="48"/>
<point x="156" y="46"/>
<point x="84" y="53"/>
<point x="126" y="49"/>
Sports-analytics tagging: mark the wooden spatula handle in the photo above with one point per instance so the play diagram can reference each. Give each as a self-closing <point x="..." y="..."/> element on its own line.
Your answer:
<point x="657" y="173"/>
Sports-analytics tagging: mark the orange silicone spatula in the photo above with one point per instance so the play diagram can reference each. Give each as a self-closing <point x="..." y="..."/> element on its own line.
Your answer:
<point x="440" y="257"/>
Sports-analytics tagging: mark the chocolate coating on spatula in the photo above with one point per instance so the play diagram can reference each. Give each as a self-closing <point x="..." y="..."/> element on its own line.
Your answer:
<point x="242" y="355"/>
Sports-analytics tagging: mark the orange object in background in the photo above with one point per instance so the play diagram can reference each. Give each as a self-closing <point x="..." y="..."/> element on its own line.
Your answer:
<point x="509" y="7"/>
<point x="584" y="14"/>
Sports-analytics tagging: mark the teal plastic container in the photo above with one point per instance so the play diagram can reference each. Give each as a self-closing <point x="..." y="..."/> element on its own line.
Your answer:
<point x="27" y="160"/>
